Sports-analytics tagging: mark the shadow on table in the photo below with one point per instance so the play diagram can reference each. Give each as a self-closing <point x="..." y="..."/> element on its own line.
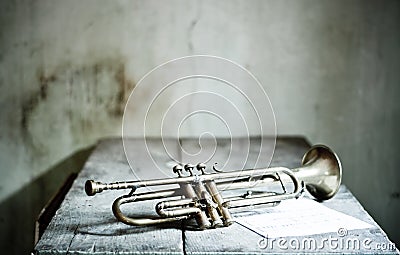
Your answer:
<point x="19" y="212"/>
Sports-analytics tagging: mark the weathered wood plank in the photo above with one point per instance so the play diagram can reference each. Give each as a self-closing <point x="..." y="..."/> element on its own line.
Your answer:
<point x="86" y="225"/>
<point x="237" y="239"/>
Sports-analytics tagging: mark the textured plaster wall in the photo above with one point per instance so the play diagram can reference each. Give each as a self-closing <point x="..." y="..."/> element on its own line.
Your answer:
<point x="330" y="68"/>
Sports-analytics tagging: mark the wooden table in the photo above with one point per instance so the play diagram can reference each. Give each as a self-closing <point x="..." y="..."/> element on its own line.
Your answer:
<point x="86" y="225"/>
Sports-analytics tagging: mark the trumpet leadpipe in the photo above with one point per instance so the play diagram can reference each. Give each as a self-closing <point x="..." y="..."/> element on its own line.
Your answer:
<point x="94" y="187"/>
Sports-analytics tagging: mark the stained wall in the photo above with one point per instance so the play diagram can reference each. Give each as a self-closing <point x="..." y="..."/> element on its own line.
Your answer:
<point x="330" y="69"/>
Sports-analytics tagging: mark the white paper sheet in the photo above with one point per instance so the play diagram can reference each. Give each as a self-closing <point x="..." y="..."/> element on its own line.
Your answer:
<point x="299" y="217"/>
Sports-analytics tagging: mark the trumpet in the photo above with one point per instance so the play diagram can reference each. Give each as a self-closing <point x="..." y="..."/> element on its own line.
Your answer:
<point x="200" y="194"/>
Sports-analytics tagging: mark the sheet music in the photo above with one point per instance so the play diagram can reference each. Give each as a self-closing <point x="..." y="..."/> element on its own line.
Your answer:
<point x="299" y="217"/>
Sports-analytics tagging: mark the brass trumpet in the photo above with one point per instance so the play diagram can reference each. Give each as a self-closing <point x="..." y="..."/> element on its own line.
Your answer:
<point x="199" y="193"/>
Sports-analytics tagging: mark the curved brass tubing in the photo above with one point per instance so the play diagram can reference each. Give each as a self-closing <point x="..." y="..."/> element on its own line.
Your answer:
<point x="199" y="195"/>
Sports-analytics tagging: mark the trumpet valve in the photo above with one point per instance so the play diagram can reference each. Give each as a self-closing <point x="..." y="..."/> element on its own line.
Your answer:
<point x="201" y="167"/>
<point x="189" y="168"/>
<point x="178" y="170"/>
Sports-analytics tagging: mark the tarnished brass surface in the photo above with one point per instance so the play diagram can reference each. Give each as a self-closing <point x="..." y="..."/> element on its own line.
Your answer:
<point x="198" y="194"/>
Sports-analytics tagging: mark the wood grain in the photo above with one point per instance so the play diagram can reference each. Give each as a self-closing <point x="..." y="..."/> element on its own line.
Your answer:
<point x="86" y="225"/>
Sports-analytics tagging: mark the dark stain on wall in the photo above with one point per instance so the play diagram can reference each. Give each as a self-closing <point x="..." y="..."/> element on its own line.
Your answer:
<point x="125" y="86"/>
<point x="82" y="85"/>
<point x="44" y="81"/>
<point x="34" y="99"/>
<point x="29" y="105"/>
<point x="26" y="110"/>
<point x="395" y="195"/>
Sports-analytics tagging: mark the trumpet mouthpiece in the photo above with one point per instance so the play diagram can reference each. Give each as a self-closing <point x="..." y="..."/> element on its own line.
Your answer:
<point x="92" y="187"/>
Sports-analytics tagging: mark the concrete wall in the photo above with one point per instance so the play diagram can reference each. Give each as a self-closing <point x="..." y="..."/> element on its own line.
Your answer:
<point x="330" y="68"/>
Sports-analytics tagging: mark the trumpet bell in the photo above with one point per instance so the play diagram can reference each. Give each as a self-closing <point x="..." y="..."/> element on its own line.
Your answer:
<point x="322" y="172"/>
